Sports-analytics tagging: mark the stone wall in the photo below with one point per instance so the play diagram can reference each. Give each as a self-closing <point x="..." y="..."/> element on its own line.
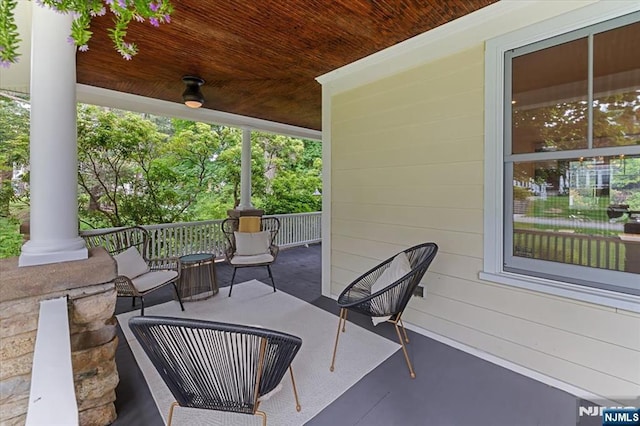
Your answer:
<point x="93" y="333"/>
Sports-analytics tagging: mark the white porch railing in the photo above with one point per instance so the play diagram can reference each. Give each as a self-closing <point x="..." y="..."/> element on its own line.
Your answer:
<point x="179" y="239"/>
<point x="299" y="229"/>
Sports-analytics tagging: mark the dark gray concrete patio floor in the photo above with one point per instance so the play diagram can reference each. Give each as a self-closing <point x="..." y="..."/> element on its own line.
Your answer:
<point x="451" y="387"/>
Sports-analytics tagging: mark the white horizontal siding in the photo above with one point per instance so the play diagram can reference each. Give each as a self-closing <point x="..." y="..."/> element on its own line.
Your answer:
<point x="449" y="219"/>
<point x="412" y="150"/>
<point x="585" y="320"/>
<point x="407" y="167"/>
<point x="560" y="368"/>
<point x="404" y="235"/>
<point x="434" y="194"/>
<point x="552" y="339"/>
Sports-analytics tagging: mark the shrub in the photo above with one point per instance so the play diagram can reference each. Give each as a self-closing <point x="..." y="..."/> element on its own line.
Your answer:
<point x="10" y="238"/>
<point x="520" y="193"/>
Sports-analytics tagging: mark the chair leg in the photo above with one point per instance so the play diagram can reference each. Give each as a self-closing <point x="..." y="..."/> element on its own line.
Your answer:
<point x="343" y="317"/>
<point x="404" y="349"/>
<point x="174" y="405"/>
<point x="233" y="277"/>
<point x="142" y="306"/>
<point x="404" y="330"/>
<point x="133" y="301"/>
<point x="175" y="287"/>
<point x="295" y="391"/>
<point x="263" y="415"/>
<point x="271" y="276"/>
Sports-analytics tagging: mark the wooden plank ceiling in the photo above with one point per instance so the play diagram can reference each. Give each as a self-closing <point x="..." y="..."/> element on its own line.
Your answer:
<point x="259" y="58"/>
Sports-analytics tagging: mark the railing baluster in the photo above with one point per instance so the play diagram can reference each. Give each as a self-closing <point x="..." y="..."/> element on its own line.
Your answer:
<point x="576" y="249"/>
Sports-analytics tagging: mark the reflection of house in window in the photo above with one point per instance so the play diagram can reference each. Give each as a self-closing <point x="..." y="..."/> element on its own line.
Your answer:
<point x="603" y="177"/>
<point x="614" y="177"/>
<point x="589" y="178"/>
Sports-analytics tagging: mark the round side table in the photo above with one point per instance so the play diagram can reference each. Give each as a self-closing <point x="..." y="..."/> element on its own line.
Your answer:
<point x="198" y="277"/>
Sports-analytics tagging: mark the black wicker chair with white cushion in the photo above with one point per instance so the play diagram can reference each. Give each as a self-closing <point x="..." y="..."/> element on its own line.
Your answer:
<point x="251" y="249"/>
<point x="383" y="292"/>
<point x="217" y="366"/>
<point x="137" y="275"/>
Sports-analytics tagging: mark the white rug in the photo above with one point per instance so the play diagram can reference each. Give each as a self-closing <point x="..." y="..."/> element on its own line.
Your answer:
<point x="254" y="303"/>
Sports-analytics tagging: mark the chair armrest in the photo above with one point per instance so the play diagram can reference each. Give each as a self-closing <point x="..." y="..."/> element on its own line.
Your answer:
<point x="124" y="287"/>
<point x="274" y="249"/>
<point x="228" y="253"/>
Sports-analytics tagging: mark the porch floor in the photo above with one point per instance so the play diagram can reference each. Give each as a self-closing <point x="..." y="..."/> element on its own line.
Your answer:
<point x="451" y="387"/>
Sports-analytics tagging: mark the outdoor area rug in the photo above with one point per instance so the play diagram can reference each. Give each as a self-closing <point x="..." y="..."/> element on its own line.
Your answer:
<point x="254" y="303"/>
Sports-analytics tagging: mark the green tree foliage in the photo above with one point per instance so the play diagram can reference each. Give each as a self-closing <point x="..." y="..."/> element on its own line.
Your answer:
<point x="625" y="182"/>
<point x="193" y="153"/>
<point x="563" y="126"/>
<point x="14" y="145"/>
<point x="131" y="173"/>
<point x="293" y="192"/>
<point x="141" y="169"/>
<point x="113" y="150"/>
<point x="616" y="120"/>
<point x="292" y="169"/>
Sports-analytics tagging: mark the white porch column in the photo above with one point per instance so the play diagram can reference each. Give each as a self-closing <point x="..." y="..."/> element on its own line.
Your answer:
<point x="245" y="172"/>
<point x="53" y="146"/>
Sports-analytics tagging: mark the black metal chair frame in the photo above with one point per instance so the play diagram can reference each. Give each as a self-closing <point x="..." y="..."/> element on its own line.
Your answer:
<point x="117" y="241"/>
<point x="230" y="225"/>
<point x="389" y="301"/>
<point x="217" y="366"/>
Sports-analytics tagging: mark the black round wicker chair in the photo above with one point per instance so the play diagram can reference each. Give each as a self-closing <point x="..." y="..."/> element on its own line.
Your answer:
<point x="217" y="366"/>
<point x="388" y="302"/>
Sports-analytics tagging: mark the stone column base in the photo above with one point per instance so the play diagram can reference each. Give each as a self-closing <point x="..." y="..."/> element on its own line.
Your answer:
<point x="88" y="285"/>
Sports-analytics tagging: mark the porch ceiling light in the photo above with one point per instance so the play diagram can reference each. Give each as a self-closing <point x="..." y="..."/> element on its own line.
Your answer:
<point x="192" y="96"/>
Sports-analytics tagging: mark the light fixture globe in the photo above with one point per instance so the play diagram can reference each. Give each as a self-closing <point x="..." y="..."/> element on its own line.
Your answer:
<point x="192" y="96"/>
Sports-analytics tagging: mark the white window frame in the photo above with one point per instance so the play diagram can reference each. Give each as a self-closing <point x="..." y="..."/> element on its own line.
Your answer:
<point x="494" y="156"/>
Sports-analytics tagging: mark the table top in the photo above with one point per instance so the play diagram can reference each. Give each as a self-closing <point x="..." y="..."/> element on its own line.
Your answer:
<point x="198" y="257"/>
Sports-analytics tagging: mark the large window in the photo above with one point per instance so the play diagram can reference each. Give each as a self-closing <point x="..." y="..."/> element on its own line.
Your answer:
<point x="570" y="153"/>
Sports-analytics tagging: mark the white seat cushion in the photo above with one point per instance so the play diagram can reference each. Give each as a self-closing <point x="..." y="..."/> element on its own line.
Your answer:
<point x="398" y="268"/>
<point x="253" y="259"/>
<point x="130" y="263"/>
<point x="252" y="243"/>
<point x="268" y="396"/>
<point x="153" y="279"/>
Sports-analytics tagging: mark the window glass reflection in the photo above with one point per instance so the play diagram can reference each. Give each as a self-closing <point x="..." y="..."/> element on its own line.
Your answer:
<point x="616" y="87"/>
<point x="549" y="99"/>
<point x="578" y="211"/>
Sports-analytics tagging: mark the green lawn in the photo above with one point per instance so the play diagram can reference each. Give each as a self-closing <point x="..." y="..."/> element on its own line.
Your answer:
<point x="559" y="207"/>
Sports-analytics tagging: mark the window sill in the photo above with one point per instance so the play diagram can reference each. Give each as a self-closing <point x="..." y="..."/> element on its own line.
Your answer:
<point x="627" y="302"/>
